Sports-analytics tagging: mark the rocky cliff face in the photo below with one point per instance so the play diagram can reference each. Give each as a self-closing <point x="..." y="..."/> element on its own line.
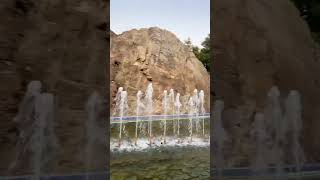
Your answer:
<point x="64" y="45"/>
<point x="258" y="44"/>
<point x="158" y="56"/>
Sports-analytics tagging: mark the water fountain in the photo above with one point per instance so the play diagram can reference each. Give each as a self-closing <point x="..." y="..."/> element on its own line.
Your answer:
<point x="196" y="108"/>
<point x="260" y="137"/>
<point x="165" y="113"/>
<point x="293" y="118"/>
<point x="149" y="109"/>
<point x="35" y="120"/>
<point x="171" y="105"/>
<point x="117" y="99"/>
<point x="202" y="110"/>
<point x="277" y="128"/>
<point x="191" y="107"/>
<point x="171" y="117"/>
<point x="219" y="138"/>
<point x="43" y="139"/>
<point x="123" y="108"/>
<point x="140" y="107"/>
<point x="178" y="105"/>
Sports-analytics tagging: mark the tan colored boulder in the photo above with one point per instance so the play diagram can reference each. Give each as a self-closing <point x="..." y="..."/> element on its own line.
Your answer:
<point x="155" y="55"/>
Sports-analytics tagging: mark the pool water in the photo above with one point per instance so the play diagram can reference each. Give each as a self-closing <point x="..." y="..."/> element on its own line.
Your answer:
<point x="162" y="163"/>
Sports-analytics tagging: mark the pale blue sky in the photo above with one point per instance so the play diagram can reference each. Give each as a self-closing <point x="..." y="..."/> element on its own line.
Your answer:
<point x="185" y="18"/>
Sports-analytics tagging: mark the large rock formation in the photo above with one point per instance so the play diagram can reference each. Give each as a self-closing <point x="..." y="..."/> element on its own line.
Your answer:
<point x="64" y="45"/>
<point x="258" y="44"/>
<point x="158" y="56"/>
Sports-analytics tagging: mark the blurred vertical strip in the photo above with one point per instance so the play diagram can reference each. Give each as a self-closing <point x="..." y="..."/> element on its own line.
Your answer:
<point x="64" y="44"/>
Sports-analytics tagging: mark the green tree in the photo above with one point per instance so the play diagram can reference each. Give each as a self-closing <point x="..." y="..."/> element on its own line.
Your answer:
<point x="203" y="54"/>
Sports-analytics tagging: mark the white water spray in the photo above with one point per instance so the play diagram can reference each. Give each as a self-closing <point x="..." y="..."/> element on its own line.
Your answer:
<point x="196" y="108"/>
<point x="123" y="108"/>
<point x="191" y="106"/>
<point x="139" y="109"/>
<point x="149" y="109"/>
<point x="165" y="112"/>
<point x="178" y="105"/>
<point x="172" y="108"/>
<point x="202" y="110"/>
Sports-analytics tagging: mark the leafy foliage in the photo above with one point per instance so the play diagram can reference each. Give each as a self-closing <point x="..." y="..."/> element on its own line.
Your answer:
<point x="203" y="54"/>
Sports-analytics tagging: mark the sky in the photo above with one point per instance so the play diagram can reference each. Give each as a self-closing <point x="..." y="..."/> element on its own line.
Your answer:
<point x="184" y="18"/>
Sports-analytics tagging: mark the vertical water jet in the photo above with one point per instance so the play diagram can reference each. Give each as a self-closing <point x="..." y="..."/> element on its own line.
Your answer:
<point x="177" y="108"/>
<point x="165" y="113"/>
<point x="293" y="117"/>
<point x="139" y="109"/>
<point x="149" y="109"/>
